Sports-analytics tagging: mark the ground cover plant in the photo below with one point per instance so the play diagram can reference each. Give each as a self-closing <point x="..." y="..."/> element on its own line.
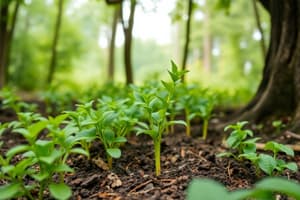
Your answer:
<point x="56" y="155"/>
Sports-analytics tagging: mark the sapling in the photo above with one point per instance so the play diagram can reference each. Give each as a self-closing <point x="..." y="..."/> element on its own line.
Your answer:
<point x="156" y="110"/>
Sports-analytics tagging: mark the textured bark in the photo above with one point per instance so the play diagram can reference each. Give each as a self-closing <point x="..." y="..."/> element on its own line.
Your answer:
<point x="187" y="36"/>
<point x="111" y="59"/>
<point x="127" y="28"/>
<point x="259" y="27"/>
<point x="10" y="37"/>
<point x="4" y="9"/>
<point x="52" y="65"/>
<point x="279" y="90"/>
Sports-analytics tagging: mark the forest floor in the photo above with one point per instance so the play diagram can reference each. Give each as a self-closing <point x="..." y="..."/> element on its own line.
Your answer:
<point x="182" y="159"/>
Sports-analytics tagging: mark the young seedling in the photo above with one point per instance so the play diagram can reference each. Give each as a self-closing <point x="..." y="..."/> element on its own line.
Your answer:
<point x="102" y="121"/>
<point x="238" y="140"/>
<point x="278" y="125"/>
<point x="155" y="108"/>
<point x="11" y="101"/>
<point x="270" y="164"/>
<point x="205" y="109"/>
<point x="246" y="149"/>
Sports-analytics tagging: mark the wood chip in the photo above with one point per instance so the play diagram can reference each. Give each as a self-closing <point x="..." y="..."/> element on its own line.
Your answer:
<point x="100" y="163"/>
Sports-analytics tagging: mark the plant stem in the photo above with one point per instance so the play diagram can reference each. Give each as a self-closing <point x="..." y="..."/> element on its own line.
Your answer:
<point x="188" y="124"/>
<point x="157" y="156"/>
<point x="204" y="129"/>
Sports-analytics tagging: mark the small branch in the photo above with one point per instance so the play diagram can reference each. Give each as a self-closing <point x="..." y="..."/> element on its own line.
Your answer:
<point x="291" y="134"/>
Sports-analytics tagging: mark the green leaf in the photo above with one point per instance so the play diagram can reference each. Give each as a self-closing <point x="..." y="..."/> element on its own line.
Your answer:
<point x="41" y="176"/>
<point x="86" y="134"/>
<point x="206" y="189"/>
<point x="10" y="191"/>
<point x="120" y="139"/>
<point x="60" y="191"/>
<point x="267" y="163"/>
<point x="224" y="154"/>
<point x="16" y="150"/>
<point x="79" y="151"/>
<point x="50" y="159"/>
<point x="281" y="185"/>
<point x="114" y="152"/>
<point x="63" y="168"/>
<point x="181" y="122"/>
<point x="291" y="166"/>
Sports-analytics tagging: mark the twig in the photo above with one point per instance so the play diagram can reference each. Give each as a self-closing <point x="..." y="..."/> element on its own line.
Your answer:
<point x="291" y="134"/>
<point x="140" y="186"/>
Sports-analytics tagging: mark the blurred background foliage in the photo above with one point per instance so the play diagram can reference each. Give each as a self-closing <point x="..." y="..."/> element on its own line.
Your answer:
<point x="224" y="51"/>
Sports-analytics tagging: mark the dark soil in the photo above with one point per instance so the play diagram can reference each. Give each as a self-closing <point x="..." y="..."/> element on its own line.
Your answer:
<point x="132" y="176"/>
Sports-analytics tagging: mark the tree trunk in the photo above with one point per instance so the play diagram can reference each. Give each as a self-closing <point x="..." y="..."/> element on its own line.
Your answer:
<point x="10" y="37"/>
<point x="187" y="37"/>
<point x="279" y="90"/>
<point x="3" y="40"/>
<point x="207" y="41"/>
<point x="127" y="28"/>
<point x="111" y="58"/>
<point x="259" y="27"/>
<point x="52" y="65"/>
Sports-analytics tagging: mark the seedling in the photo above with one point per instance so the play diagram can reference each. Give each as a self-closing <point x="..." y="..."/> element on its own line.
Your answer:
<point x="11" y="101"/>
<point x="246" y="149"/>
<point x="265" y="189"/>
<point x="205" y="109"/>
<point x="278" y="125"/>
<point x="40" y="159"/>
<point x="103" y="121"/>
<point x="271" y="164"/>
<point x="155" y="108"/>
<point x="238" y="140"/>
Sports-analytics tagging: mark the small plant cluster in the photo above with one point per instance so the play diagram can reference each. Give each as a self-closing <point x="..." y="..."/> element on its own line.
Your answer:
<point x="40" y="165"/>
<point x="244" y="148"/>
<point x="32" y="167"/>
<point x="9" y="100"/>
<point x="266" y="189"/>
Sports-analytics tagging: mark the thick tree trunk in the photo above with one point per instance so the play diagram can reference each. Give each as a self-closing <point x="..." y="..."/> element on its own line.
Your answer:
<point x="111" y="59"/>
<point x="52" y="65"/>
<point x="187" y="36"/>
<point x="127" y="28"/>
<point x="3" y="40"/>
<point x="279" y="90"/>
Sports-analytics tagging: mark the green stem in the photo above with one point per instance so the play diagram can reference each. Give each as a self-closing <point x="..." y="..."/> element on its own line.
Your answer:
<point x="204" y="129"/>
<point x="188" y="124"/>
<point x="157" y="156"/>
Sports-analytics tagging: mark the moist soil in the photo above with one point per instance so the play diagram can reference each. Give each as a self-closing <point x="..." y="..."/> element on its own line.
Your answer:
<point x="182" y="159"/>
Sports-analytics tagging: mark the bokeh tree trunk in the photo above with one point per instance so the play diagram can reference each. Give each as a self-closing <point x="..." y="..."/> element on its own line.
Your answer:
<point x="10" y="37"/>
<point x="127" y="28"/>
<point x="207" y="40"/>
<point x="187" y="36"/>
<point x="260" y="29"/>
<point x="111" y="58"/>
<point x="52" y="65"/>
<point x="279" y="90"/>
<point x="4" y="32"/>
